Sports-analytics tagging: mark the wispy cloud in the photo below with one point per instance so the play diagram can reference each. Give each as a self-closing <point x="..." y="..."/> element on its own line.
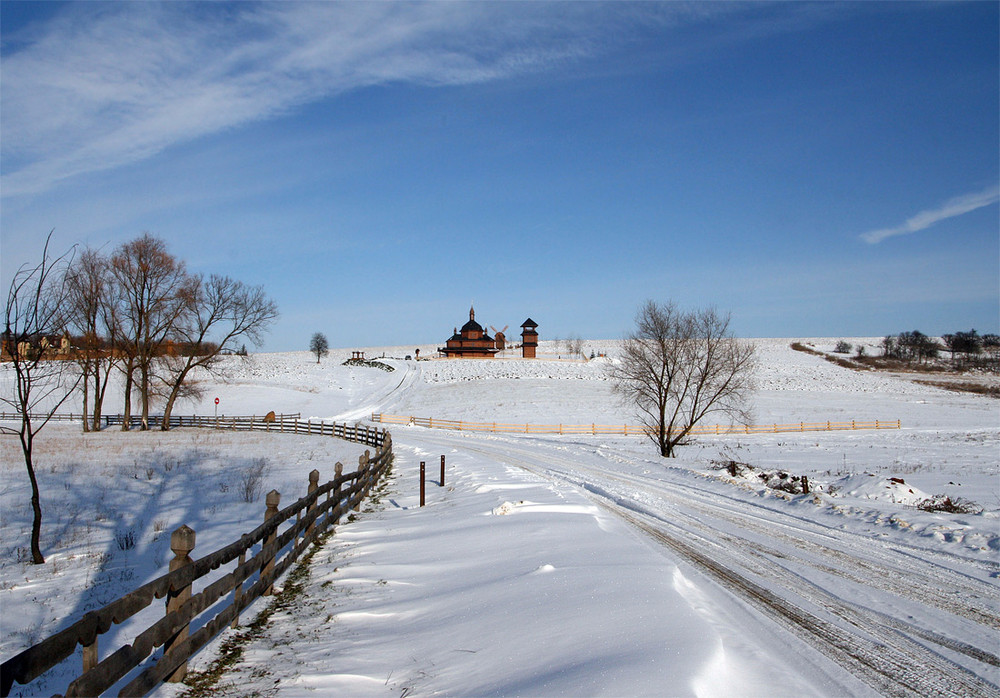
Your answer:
<point x="108" y="85"/>
<point x="925" y="219"/>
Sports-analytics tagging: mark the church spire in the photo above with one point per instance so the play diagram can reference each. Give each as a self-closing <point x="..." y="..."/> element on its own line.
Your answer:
<point x="472" y="313"/>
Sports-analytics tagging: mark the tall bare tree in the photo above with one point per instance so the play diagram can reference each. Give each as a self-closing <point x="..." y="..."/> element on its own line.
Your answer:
<point x="34" y="314"/>
<point x="677" y="368"/>
<point x="90" y="313"/>
<point x="152" y="298"/>
<point x="219" y="313"/>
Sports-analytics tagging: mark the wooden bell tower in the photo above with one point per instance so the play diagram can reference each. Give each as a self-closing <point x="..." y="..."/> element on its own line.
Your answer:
<point x="529" y="338"/>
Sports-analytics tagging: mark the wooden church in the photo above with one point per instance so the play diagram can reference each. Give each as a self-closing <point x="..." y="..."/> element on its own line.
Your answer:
<point x="474" y="342"/>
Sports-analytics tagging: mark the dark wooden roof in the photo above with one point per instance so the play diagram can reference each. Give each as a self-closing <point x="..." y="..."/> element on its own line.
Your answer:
<point x="472" y="326"/>
<point x="529" y="323"/>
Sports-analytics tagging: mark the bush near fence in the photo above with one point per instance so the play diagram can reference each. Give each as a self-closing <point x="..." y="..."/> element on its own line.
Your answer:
<point x="625" y="429"/>
<point x="312" y="518"/>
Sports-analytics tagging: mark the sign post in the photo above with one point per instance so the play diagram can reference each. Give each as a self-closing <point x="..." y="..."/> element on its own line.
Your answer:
<point x="216" y="413"/>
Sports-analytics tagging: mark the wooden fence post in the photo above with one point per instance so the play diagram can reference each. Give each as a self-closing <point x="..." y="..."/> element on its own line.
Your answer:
<point x="362" y="478"/>
<point x="90" y="658"/>
<point x="313" y="486"/>
<point x="338" y="471"/>
<point x="442" y="471"/>
<point x="181" y="543"/>
<point x="238" y="593"/>
<point x="421" y="483"/>
<point x="271" y="500"/>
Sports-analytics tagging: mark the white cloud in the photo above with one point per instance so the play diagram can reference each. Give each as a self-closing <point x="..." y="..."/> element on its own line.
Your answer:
<point x="100" y="88"/>
<point x="925" y="219"/>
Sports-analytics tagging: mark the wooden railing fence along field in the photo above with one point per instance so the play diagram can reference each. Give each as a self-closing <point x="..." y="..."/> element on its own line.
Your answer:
<point x="625" y="429"/>
<point x="283" y="423"/>
<point x="303" y="521"/>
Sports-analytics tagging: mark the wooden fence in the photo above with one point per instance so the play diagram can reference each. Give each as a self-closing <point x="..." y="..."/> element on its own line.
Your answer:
<point x="154" y="420"/>
<point x="303" y="522"/>
<point x="283" y="423"/>
<point x="625" y="429"/>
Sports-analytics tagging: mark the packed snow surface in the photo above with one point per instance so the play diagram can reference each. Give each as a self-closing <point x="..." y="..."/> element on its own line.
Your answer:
<point x="550" y="565"/>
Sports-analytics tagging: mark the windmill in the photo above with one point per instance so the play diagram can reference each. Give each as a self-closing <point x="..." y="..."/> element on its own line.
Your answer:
<point x="499" y="336"/>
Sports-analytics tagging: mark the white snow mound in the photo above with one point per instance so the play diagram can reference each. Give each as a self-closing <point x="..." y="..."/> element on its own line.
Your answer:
<point x="867" y="486"/>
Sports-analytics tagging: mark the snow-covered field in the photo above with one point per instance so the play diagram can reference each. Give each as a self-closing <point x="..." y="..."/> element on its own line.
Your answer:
<point x="554" y="565"/>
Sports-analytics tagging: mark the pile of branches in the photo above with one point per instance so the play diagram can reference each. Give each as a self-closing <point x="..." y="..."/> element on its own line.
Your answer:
<point x="944" y="503"/>
<point x="775" y="479"/>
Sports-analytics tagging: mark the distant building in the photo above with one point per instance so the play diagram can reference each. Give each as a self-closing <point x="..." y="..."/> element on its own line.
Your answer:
<point x="472" y="342"/>
<point x="529" y="338"/>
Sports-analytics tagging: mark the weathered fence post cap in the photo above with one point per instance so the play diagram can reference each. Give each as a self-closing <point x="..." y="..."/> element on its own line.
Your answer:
<point x="272" y="498"/>
<point x="339" y="468"/>
<point x="314" y="477"/>
<point x="182" y="540"/>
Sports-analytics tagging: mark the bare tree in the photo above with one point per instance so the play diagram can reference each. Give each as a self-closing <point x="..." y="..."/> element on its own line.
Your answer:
<point x="574" y="345"/>
<point x="90" y="313"/>
<point x="968" y="343"/>
<point x="916" y="346"/>
<point x="34" y="315"/>
<point x="677" y="367"/>
<point x="319" y="346"/>
<point x="890" y="349"/>
<point x="151" y="285"/>
<point x="219" y="313"/>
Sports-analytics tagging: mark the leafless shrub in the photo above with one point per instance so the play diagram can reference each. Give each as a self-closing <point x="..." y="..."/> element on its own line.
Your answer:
<point x="125" y="539"/>
<point x="252" y="480"/>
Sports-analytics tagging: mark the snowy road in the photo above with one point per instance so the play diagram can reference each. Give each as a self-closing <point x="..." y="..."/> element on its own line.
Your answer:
<point x="904" y="618"/>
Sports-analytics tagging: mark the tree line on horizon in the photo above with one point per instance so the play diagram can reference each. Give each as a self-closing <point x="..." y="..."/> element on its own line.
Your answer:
<point x="965" y="347"/>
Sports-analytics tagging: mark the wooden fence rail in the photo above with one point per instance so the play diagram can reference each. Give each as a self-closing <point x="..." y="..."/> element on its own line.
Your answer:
<point x="627" y="430"/>
<point x="59" y="416"/>
<point x="154" y="420"/>
<point x="367" y="435"/>
<point x="285" y="423"/>
<point x="304" y="521"/>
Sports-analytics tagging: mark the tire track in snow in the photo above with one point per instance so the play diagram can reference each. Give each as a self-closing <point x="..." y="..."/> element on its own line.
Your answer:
<point x="409" y="377"/>
<point x="882" y="650"/>
<point x="942" y="587"/>
<point x="894" y="666"/>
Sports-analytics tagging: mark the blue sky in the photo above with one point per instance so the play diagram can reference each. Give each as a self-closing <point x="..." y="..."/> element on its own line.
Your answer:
<point x="816" y="169"/>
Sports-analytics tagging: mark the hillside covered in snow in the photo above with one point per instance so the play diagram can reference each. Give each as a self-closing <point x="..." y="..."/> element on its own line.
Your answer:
<point x="548" y="564"/>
